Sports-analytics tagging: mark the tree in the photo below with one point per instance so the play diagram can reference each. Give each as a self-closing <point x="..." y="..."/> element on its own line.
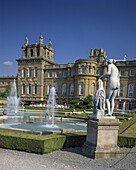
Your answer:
<point x="87" y="102"/>
<point x="73" y="104"/>
<point x="6" y="92"/>
<point x="1" y="94"/>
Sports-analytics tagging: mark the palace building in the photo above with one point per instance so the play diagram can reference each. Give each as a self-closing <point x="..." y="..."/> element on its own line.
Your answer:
<point x="37" y="73"/>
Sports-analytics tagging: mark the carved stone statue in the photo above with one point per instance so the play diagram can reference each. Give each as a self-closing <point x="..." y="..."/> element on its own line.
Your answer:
<point x="41" y="38"/>
<point x="112" y="86"/>
<point x="99" y="101"/>
<point x="26" y="40"/>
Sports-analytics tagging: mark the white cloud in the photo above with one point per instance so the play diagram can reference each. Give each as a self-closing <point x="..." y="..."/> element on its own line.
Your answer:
<point x="8" y="63"/>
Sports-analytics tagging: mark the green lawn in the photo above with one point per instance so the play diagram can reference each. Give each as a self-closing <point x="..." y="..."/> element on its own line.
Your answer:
<point x="130" y="132"/>
<point x="126" y="123"/>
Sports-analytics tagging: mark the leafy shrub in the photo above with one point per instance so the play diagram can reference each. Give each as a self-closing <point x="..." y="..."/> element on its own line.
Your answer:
<point x="124" y="141"/>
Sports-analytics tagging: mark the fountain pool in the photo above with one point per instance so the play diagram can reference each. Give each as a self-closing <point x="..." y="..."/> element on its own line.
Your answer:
<point x="37" y="122"/>
<point x="30" y="122"/>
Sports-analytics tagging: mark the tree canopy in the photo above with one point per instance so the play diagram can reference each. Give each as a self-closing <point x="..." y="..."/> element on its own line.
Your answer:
<point x="87" y="103"/>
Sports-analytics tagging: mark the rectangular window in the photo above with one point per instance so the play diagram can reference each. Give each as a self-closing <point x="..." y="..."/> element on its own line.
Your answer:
<point x="35" y="89"/>
<point x="23" y="89"/>
<point x="31" y="52"/>
<point x="132" y="72"/>
<point x="100" y="72"/>
<point x="120" y="105"/>
<point x="26" y="52"/>
<point x="29" y="72"/>
<point x="23" y="73"/>
<point x="58" y="74"/>
<point x="129" y="106"/>
<point x="130" y="90"/>
<point x="72" y="73"/>
<point x="38" y="52"/>
<point x="130" y="94"/>
<point x="82" y="69"/>
<point x="65" y="74"/>
<point x="121" y="92"/>
<point x="122" y="72"/>
<point x="50" y="74"/>
<point x="35" y="72"/>
<point x="29" y="89"/>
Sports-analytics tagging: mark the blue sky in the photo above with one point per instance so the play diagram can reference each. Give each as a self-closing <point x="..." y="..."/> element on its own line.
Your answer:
<point x="75" y="27"/>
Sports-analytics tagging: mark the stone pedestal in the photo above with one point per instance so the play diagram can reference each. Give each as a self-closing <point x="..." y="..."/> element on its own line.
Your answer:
<point x="98" y="114"/>
<point x="102" y="136"/>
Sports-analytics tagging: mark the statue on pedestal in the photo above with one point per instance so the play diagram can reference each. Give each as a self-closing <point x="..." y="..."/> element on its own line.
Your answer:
<point x="111" y="91"/>
<point x="102" y="131"/>
<point x="99" y="101"/>
<point x="113" y="85"/>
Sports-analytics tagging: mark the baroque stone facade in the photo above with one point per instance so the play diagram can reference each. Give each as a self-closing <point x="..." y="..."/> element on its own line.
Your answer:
<point x="37" y="73"/>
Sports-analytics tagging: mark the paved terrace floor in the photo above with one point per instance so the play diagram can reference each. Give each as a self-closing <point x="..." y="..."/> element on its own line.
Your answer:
<point x="68" y="159"/>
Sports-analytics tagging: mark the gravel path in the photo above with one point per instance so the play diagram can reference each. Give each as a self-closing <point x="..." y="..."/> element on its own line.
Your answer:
<point x="68" y="159"/>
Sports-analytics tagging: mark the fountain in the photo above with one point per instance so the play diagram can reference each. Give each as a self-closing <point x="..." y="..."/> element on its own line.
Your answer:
<point x="51" y="105"/>
<point x="35" y="121"/>
<point x="12" y="100"/>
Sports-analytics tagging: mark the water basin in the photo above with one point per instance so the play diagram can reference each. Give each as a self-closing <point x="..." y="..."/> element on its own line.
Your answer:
<point x="36" y="122"/>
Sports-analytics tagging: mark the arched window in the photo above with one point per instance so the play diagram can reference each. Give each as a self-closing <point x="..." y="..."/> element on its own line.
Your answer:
<point x="92" y="88"/>
<point x="121" y="92"/>
<point x="72" y="89"/>
<point x="82" y="69"/>
<point x="130" y="90"/>
<point x="81" y="88"/>
<point x="64" y="90"/>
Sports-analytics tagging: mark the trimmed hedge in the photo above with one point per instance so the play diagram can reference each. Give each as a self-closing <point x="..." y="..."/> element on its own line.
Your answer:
<point x="48" y="143"/>
<point x="53" y="144"/>
<point x="40" y="144"/>
<point x="22" y="144"/>
<point x="74" y="140"/>
<point x="124" y="141"/>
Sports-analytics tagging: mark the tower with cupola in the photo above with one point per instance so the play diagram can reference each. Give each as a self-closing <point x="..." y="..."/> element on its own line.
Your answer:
<point x="31" y="69"/>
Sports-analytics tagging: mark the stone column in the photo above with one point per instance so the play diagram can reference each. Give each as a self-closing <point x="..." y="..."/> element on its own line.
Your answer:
<point x="124" y="104"/>
<point x="86" y="87"/>
<point x="101" y="140"/>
